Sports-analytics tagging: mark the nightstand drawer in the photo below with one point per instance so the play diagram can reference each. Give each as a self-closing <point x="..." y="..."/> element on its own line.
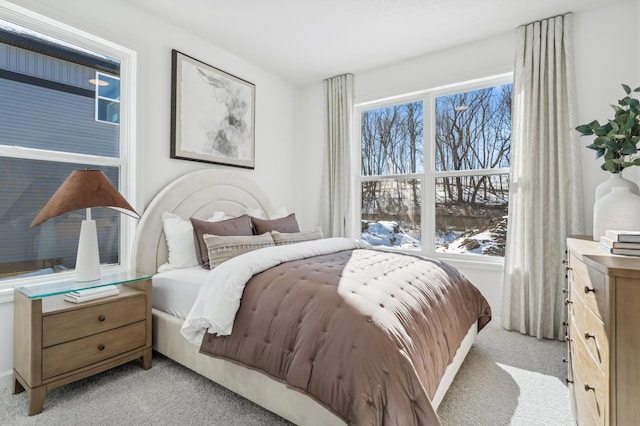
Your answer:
<point x="78" y="323"/>
<point x="79" y="353"/>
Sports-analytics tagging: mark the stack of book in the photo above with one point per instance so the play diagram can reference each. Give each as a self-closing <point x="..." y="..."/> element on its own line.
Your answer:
<point x="80" y="296"/>
<point x="621" y="242"/>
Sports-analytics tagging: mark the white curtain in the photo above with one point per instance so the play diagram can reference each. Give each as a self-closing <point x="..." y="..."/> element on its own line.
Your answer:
<point x="337" y="181"/>
<point x="545" y="201"/>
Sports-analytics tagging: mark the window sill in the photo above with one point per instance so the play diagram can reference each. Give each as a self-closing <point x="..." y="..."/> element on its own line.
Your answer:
<point x="493" y="265"/>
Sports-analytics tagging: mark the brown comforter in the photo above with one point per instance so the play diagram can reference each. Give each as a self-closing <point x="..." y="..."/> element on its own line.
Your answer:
<point x="367" y="333"/>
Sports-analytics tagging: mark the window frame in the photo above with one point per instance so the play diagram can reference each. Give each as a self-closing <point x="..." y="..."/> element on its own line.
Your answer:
<point x="429" y="176"/>
<point x="127" y="160"/>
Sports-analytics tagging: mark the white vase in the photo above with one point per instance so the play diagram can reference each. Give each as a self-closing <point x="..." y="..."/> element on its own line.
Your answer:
<point x="619" y="209"/>
<point x="615" y="179"/>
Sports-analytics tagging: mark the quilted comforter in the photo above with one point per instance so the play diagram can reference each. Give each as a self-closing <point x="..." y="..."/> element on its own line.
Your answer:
<point x="367" y="333"/>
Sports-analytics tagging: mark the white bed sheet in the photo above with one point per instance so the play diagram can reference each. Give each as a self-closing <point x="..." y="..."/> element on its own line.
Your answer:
<point x="175" y="291"/>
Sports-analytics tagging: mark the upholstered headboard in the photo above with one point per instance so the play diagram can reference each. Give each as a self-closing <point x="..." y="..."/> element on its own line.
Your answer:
<point x="196" y="194"/>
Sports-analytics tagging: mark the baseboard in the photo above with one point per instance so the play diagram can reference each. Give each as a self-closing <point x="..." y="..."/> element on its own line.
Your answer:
<point x="6" y="378"/>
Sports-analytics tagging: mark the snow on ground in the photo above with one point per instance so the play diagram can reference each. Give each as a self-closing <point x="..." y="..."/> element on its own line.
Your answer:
<point x="387" y="233"/>
<point x="489" y="241"/>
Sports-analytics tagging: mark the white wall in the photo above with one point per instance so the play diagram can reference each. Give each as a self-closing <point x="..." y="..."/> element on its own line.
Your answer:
<point x="277" y="110"/>
<point x="606" y="55"/>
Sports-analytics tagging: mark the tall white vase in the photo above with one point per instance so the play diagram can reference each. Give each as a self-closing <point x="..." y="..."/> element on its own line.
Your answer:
<point x="619" y="209"/>
<point x="615" y="179"/>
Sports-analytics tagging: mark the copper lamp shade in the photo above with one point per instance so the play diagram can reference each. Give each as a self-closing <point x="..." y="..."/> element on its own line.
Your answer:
<point x="84" y="189"/>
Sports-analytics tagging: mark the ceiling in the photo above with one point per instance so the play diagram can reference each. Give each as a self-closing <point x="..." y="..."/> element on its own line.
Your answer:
<point x="306" y="41"/>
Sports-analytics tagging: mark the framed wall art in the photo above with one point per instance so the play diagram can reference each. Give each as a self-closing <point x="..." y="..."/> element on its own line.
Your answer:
<point x="212" y="114"/>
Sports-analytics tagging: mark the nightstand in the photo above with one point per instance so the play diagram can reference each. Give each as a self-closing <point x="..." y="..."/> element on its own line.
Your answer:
<point x="58" y="342"/>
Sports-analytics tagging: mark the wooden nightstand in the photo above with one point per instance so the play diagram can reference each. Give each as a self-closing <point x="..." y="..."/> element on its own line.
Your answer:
<point x="58" y="342"/>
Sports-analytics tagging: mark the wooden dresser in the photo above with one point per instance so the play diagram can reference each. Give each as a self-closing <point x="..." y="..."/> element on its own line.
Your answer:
<point x="58" y="342"/>
<point x="603" y="335"/>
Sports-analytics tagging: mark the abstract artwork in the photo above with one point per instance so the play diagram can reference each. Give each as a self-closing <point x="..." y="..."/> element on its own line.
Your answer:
<point x="212" y="114"/>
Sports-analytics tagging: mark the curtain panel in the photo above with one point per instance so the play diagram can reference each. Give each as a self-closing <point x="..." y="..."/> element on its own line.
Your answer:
<point x="337" y="182"/>
<point x="545" y="196"/>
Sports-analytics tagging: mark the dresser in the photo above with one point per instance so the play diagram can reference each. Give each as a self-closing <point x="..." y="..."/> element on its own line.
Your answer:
<point x="603" y="334"/>
<point x="58" y="342"/>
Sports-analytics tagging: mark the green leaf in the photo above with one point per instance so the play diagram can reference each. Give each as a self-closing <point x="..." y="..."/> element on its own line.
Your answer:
<point x="610" y="166"/>
<point x="636" y="162"/>
<point x="600" y="152"/>
<point x="584" y="129"/>
<point x="622" y="119"/>
<point x="637" y="89"/>
<point x="626" y="88"/>
<point x="628" y="149"/>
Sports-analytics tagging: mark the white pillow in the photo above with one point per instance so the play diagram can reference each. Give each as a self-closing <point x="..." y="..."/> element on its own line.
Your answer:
<point x="259" y="214"/>
<point x="219" y="216"/>
<point x="179" y="235"/>
<point x="281" y="212"/>
<point x="256" y="213"/>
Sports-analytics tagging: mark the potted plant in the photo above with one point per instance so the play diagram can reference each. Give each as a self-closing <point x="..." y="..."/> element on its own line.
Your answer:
<point x="616" y="143"/>
<point x="617" y="139"/>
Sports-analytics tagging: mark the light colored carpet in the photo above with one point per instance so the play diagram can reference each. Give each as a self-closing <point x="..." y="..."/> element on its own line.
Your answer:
<point x="507" y="379"/>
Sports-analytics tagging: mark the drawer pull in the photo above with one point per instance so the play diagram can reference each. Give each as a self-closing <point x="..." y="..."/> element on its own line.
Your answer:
<point x="102" y="318"/>
<point x="565" y="291"/>
<point x="101" y="347"/>
<point x="564" y="360"/>
<point x="567" y="381"/>
<point x="588" y="388"/>
<point x="567" y="301"/>
<point x="588" y="336"/>
<point x="567" y="339"/>
<point x="588" y="290"/>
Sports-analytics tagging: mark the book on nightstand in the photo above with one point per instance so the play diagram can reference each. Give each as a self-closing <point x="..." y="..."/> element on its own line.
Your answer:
<point x="80" y="296"/>
<point x="618" y="244"/>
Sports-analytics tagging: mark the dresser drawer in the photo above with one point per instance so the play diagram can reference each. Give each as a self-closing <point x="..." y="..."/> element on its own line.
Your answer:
<point x="590" y="384"/>
<point x="78" y="323"/>
<point x="80" y="353"/>
<point x="581" y="277"/>
<point x="592" y="331"/>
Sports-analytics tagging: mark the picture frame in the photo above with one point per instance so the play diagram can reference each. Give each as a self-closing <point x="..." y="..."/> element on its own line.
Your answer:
<point x="212" y="114"/>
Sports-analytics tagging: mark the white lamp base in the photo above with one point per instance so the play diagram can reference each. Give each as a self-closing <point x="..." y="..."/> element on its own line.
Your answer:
<point x="88" y="258"/>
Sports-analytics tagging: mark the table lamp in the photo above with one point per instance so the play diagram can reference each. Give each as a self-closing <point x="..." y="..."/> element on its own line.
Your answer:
<point x="84" y="189"/>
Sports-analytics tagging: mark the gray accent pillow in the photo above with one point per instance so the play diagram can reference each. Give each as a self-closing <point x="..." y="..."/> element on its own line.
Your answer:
<point x="281" y="239"/>
<point x="237" y="226"/>
<point x="284" y="224"/>
<point x="223" y="248"/>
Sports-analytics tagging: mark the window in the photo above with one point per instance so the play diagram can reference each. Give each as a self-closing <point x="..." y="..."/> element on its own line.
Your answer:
<point x="107" y="98"/>
<point x="61" y="92"/>
<point x="434" y="171"/>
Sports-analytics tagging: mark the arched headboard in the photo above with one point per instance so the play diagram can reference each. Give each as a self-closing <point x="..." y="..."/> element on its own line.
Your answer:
<point x="197" y="194"/>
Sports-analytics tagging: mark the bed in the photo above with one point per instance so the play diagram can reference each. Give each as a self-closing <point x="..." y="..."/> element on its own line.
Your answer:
<point x="200" y="193"/>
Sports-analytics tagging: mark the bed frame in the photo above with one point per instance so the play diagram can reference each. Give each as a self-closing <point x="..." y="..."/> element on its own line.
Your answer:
<point x="198" y="194"/>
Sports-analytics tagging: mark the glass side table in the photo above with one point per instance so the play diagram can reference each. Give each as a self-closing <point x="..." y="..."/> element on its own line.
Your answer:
<point x="58" y="342"/>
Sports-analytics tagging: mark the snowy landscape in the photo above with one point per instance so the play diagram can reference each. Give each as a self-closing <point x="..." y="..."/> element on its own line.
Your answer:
<point x="489" y="242"/>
